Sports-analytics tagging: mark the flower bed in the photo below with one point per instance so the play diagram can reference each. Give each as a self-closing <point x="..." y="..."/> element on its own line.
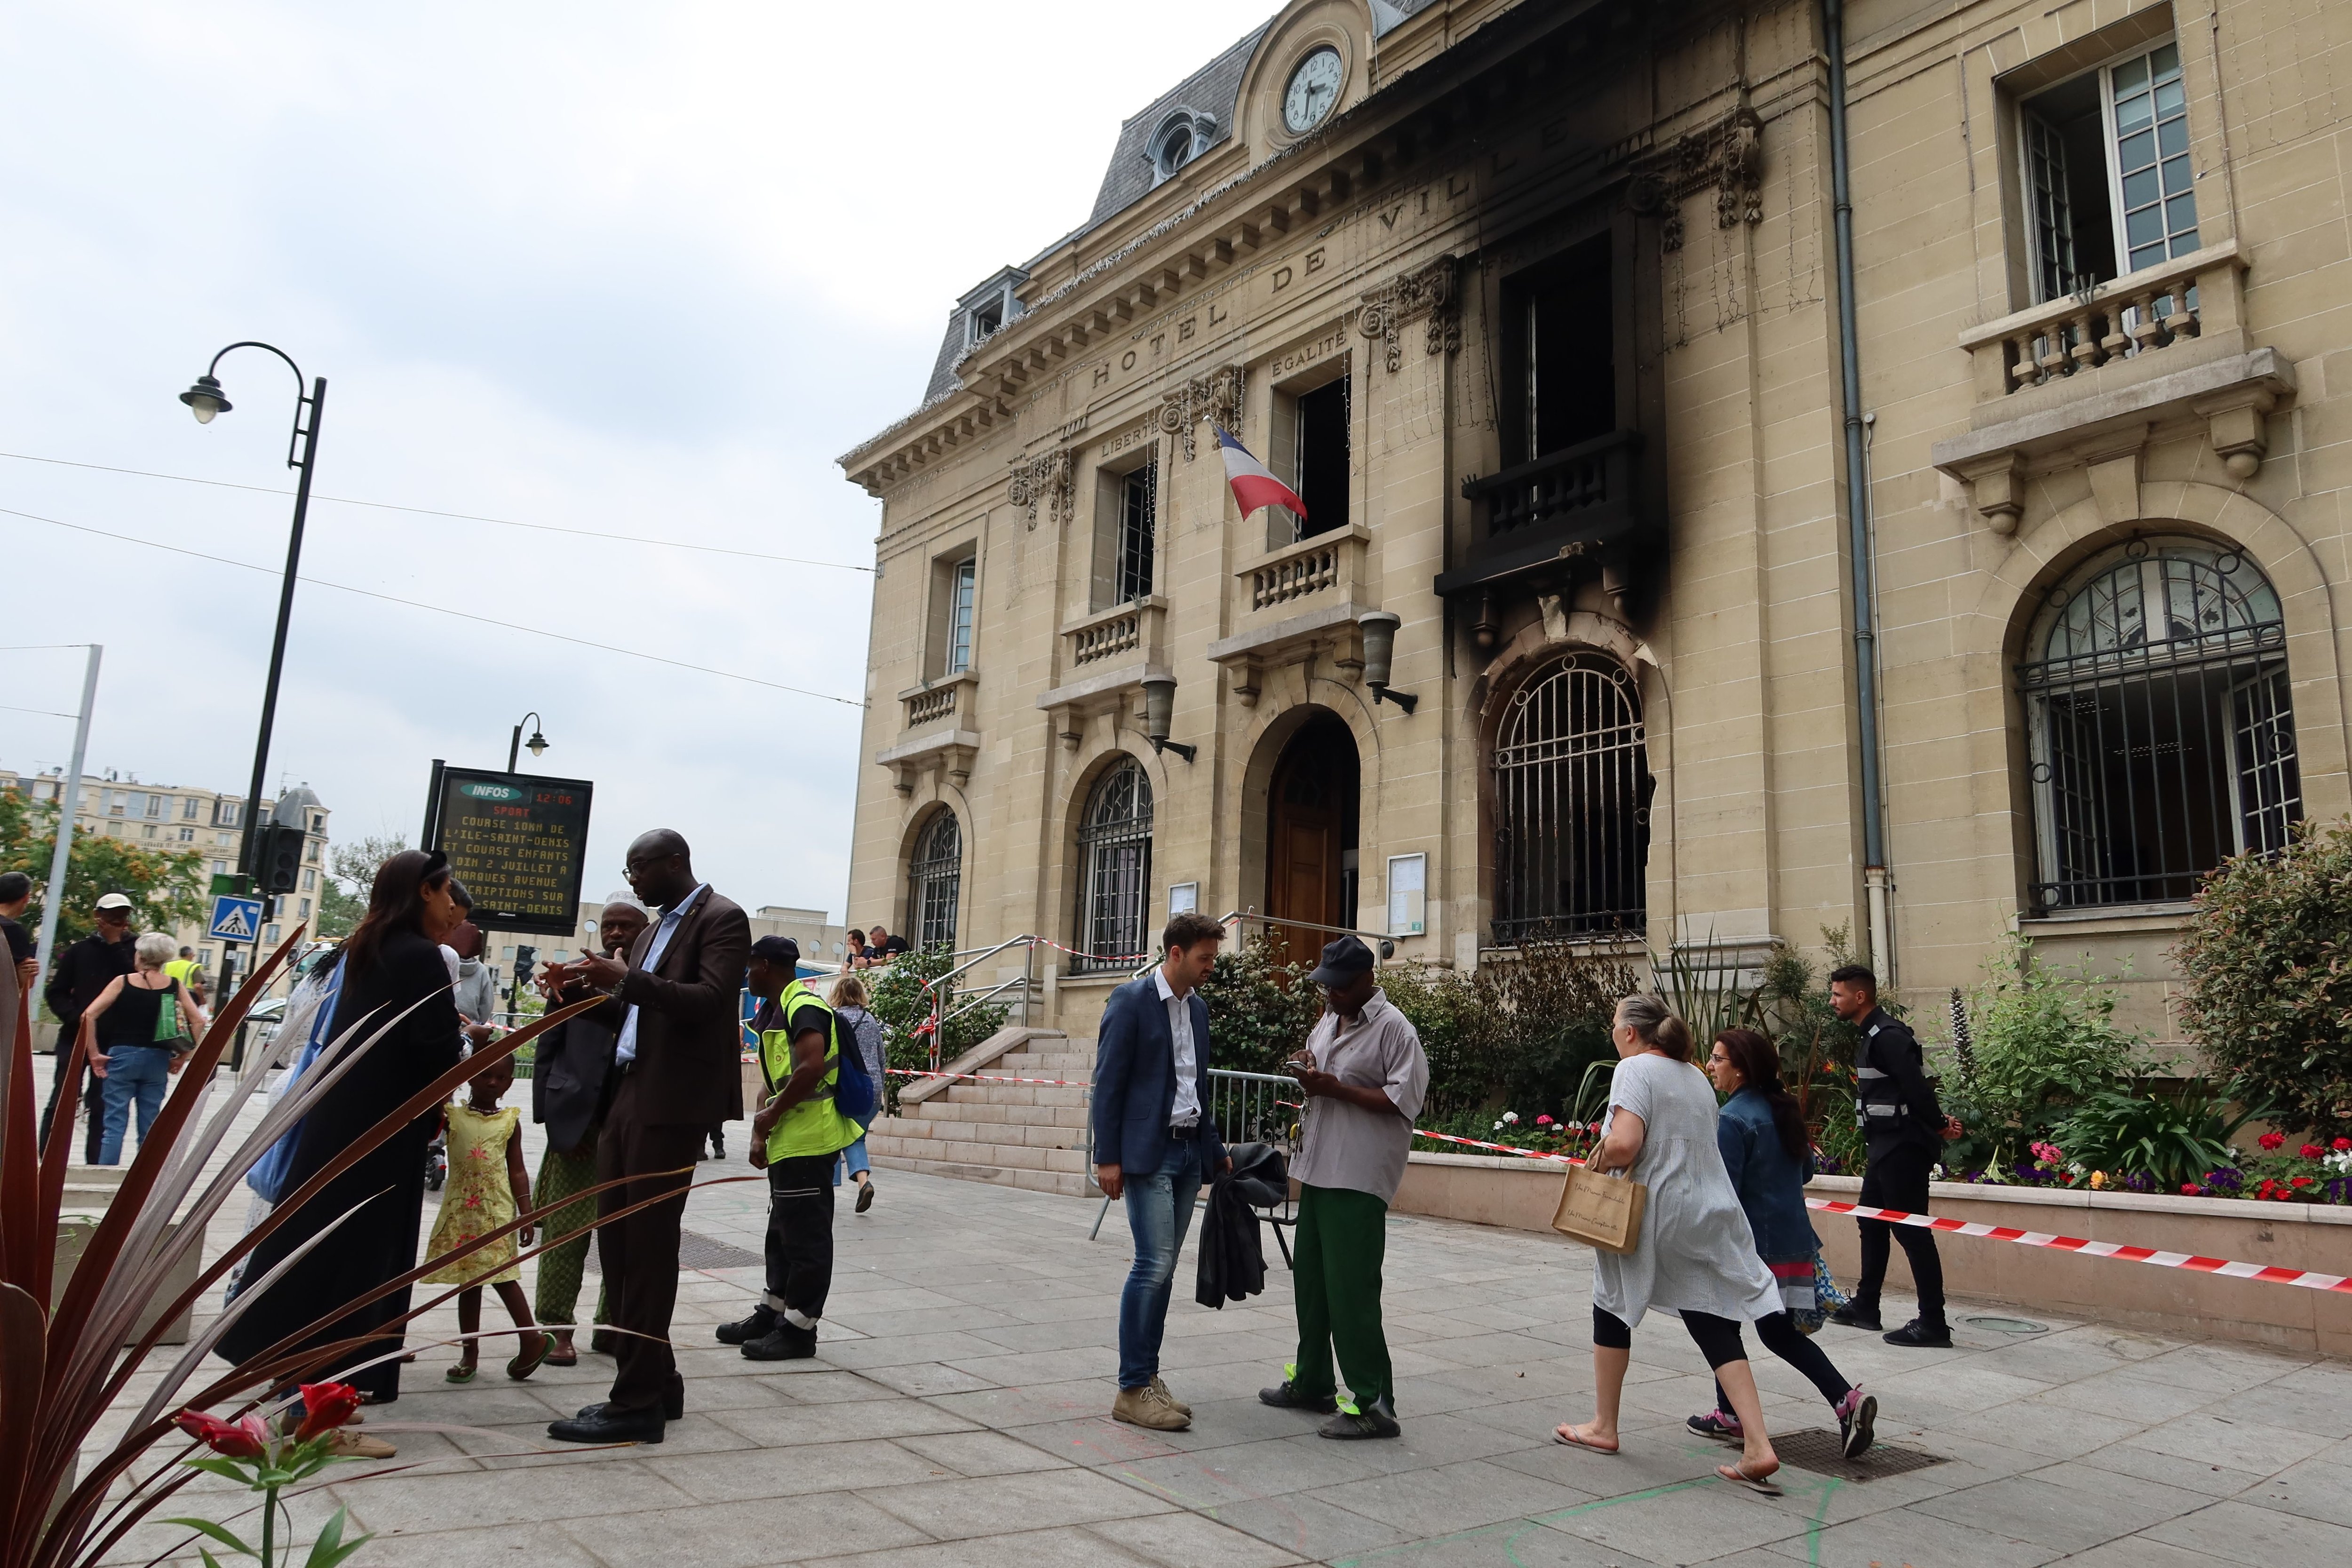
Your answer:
<point x="2308" y="1174"/>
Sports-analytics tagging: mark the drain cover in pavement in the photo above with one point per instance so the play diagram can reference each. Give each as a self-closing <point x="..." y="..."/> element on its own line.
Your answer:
<point x="1819" y="1452"/>
<point x="700" y="1252"/>
<point x="2008" y="1325"/>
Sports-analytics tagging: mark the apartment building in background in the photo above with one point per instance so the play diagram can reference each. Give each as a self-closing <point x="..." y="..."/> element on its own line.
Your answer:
<point x="1612" y="613"/>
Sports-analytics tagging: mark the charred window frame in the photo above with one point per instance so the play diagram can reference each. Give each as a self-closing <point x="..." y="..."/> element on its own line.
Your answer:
<point x="1558" y="384"/>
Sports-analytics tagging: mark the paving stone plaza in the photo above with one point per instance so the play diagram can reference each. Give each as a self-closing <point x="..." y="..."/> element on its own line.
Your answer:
<point x="957" y="1414"/>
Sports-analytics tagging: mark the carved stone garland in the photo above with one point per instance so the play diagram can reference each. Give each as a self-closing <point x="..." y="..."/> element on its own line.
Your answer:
<point x="1727" y="154"/>
<point x="1216" y="395"/>
<point x="1428" y="292"/>
<point x="1049" y="477"/>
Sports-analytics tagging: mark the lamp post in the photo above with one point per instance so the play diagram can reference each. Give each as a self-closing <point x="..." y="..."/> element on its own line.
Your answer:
<point x="538" y="741"/>
<point x="206" y="400"/>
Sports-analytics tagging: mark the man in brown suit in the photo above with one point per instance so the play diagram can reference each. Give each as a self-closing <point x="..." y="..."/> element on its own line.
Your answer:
<point x="676" y="1075"/>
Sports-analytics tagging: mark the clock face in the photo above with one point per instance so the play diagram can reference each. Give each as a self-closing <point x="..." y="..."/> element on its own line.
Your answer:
<point x="1314" y="88"/>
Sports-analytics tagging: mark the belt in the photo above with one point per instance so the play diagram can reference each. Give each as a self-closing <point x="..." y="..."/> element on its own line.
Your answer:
<point x="1184" y="1133"/>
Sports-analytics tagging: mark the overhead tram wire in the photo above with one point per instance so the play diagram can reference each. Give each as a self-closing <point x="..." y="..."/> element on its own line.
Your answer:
<point x="436" y="609"/>
<point x="454" y="516"/>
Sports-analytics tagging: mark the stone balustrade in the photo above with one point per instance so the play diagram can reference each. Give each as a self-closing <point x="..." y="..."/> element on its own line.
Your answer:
<point x="2137" y="314"/>
<point x="1122" y="633"/>
<point x="948" y="697"/>
<point x="1322" y="568"/>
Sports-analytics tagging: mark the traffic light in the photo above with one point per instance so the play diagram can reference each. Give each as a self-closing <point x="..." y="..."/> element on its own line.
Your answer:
<point x="277" y="858"/>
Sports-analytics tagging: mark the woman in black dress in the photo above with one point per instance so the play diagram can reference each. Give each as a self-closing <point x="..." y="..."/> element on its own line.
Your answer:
<point x="391" y="962"/>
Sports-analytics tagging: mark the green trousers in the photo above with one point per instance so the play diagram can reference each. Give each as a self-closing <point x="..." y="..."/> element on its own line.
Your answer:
<point x="565" y="1174"/>
<point x="1341" y="1238"/>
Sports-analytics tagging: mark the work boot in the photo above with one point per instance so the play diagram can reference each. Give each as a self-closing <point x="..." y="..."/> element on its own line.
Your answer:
<point x="1145" y="1407"/>
<point x="758" y="1326"/>
<point x="1287" y="1395"/>
<point x="785" y="1341"/>
<point x="1374" y="1420"/>
<point x="1855" y="1315"/>
<point x="1920" y="1334"/>
<point x="1173" y="1402"/>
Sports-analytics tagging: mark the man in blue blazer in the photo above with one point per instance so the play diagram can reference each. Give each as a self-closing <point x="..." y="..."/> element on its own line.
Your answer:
<point x="1154" y="1142"/>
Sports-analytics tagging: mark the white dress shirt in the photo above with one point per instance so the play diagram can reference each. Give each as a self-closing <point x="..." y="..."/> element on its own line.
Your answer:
<point x="626" y="1049"/>
<point x="1186" y="1111"/>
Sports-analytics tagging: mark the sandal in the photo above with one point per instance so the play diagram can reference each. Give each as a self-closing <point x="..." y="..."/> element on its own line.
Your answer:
<point x="1565" y="1435"/>
<point x="462" y="1372"/>
<point x="565" y="1357"/>
<point x="523" y="1366"/>
<point x="1737" y="1475"/>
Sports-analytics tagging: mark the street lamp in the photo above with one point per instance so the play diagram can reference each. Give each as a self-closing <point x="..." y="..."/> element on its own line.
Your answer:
<point x="206" y="401"/>
<point x="538" y="741"/>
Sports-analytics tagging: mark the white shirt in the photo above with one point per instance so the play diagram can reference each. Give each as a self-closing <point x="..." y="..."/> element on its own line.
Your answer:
<point x="1186" y="1111"/>
<point x="626" y="1049"/>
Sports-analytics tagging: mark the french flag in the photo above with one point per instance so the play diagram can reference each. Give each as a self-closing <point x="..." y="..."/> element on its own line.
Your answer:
<point x="1253" y="487"/>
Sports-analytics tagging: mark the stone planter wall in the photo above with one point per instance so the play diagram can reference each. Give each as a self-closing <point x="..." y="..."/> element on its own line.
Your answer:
<point x="1521" y="1193"/>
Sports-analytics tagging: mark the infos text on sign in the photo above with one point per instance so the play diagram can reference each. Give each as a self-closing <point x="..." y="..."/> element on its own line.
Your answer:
<point x="517" y="842"/>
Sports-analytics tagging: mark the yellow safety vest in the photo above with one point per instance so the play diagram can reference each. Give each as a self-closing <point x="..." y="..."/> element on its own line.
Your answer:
<point x="813" y="1126"/>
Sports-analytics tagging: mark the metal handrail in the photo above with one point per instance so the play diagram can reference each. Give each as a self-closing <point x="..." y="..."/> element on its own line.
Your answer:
<point x="1384" y="945"/>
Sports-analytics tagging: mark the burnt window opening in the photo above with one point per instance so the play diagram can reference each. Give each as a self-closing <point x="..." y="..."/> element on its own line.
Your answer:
<point x="1560" y="372"/>
<point x="1139" y="517"/>
<point x="1322" y="456"/>
<point x="1571" y="805"/>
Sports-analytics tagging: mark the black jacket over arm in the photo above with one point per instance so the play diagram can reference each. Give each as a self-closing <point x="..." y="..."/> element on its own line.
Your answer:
<point x="388" y="1183"/>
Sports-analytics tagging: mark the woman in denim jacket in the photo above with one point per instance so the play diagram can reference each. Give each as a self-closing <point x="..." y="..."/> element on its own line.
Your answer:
<point x="1769" y="1156"/>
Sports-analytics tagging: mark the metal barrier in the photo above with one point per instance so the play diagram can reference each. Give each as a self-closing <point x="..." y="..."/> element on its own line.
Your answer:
<point x="1247" y="1108"/>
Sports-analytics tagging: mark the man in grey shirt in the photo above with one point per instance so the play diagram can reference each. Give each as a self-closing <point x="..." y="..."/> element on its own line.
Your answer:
<point x="1364" y="1074"/>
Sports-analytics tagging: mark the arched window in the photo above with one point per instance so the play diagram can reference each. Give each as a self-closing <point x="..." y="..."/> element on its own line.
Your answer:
<point x="2161" y="731"/>
<point x="935" y="881"/>
<point x="1115" y="869"/>
<point x="1571" y="804"/>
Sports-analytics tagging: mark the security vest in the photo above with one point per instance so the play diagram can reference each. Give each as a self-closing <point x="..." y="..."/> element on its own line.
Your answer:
<point x="813" y="1126"/>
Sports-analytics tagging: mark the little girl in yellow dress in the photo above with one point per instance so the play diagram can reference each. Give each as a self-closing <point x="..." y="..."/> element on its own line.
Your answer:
<point x="487" y="1187"/>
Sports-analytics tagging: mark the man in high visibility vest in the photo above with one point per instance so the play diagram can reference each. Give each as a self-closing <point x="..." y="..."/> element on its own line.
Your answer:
<point x="795" y="1135"/>
<point x="188" y="973"/>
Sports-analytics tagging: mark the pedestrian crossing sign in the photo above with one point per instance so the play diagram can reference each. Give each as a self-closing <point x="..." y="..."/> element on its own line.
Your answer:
<point x="235" y="919"/>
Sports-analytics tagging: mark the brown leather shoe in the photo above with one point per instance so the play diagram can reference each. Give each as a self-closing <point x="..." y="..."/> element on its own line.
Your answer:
<point x="1144" y="1407"/>
<point x="351" y="1445"/>
<point x="1173" y="1402"/>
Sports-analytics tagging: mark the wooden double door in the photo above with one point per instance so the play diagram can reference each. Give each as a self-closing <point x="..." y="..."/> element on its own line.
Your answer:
<point x="1311" y="825"/>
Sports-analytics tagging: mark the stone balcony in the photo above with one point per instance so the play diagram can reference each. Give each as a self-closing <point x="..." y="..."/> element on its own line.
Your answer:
<point x="2082" y="379"/>
<point x="1581" y="501"/>
<point x="1124" y="634"/>
<point x="940" y="736"/>
<point x="1297" y="597"/>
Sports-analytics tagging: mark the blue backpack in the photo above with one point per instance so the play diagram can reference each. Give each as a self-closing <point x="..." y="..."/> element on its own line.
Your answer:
<point x="852" y="1091"/>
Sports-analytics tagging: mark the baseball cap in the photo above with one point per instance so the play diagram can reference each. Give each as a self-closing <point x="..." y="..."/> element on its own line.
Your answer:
<point x="114" y="901"/>
<point x="1344" y="957"/>
<point x="777" y="950"/>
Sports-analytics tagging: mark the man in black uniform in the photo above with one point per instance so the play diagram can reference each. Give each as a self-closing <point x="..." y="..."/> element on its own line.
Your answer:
<point x="83" y="971"/>
<point x="1904" y="1129"/>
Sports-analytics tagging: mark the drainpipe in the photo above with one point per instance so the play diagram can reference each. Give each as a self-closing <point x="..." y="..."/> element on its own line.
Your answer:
<point x="1857" y="497"/>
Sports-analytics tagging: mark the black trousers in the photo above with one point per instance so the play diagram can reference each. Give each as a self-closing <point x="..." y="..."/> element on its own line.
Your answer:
<point x="93" y="1107"/>
<point x="800" y="1234"/>
<point x="639" y="1253"/>
<point x="1896" y="1178"/>
<point x="1780" y="1337"/>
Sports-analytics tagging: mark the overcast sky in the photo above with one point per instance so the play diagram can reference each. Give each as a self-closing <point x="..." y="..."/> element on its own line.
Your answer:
<point x="629" y="269"/>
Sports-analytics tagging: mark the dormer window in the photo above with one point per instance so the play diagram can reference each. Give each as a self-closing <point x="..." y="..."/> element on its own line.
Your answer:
<point x="1181" y="139"/>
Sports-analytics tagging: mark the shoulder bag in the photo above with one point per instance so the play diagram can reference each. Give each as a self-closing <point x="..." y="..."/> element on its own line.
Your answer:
<point x="1601" y="1211"/>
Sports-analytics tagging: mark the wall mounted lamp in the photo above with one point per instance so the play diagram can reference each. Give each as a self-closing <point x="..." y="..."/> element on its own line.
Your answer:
<point x="1159" y="708"/>
<point x="1379" y="629"/>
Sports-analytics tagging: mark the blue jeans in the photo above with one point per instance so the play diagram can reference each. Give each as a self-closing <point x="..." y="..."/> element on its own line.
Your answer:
<point x="1159" y="1213"/>
<point x="132" y="1073"/>
<point x="852" y="1159"/>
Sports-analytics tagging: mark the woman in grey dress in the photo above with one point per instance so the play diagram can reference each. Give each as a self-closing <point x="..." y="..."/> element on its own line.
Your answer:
<point x="1695" y="1258"/>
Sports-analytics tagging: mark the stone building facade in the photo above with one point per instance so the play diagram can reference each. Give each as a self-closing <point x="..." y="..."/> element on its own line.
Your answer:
<point x="1540" y="307"/>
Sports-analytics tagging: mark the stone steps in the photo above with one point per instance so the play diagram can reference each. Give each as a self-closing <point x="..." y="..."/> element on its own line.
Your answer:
<point x="1030" y="1136"/>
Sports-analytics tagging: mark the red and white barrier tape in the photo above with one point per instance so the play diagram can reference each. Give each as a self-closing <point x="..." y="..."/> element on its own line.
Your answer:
<point x="1498" y="1148"/>
<point x="2306" y="1277"/>
<point x="988" y="1077"/>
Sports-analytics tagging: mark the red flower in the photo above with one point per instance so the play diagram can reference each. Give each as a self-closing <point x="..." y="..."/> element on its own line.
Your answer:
<point x="2271" y="1140"/>
<point x="2300" y="1181"/>
<point x="2311" y="1151"/>
<point x="246" y="1439"/>
<point x="2341" y="1144"/>
<point x="2188" y="1189"/>
<point x="326" y="1405"/>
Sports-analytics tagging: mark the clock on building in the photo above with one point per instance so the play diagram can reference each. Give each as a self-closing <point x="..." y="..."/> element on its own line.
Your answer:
<point x="1314" y="88"/>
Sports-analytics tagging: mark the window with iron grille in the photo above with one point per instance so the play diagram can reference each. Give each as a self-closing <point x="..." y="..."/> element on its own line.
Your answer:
<point x="935" y="881"/>
<point x="1139" y="518"/>
<point x="1115" y="871"/>
<point x="1572" y="786"/>
<point x="2160" y="729"/>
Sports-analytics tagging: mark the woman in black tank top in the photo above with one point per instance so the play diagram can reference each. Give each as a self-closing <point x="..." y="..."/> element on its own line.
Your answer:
<point x="132" y="1033"/>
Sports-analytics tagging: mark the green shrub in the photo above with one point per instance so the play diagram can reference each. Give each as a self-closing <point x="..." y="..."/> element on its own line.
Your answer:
<point x="2175" y="1140"/>
<point x="2045" y="1044"/>
<point x="2268" y="964"/>
<point x="1260" y="1008"/>
<point x="897" y="998"/>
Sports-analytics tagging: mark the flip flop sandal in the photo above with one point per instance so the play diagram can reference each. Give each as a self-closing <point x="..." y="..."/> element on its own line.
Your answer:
<point x="1564" y="1435"/>
<point x="523" y="1366"/>
<point x="1737" y="1476"/>
<point x="461" y="1372"/>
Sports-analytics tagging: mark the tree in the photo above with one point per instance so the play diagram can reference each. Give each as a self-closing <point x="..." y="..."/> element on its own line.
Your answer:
<point x="351" y="874"/>
<point x="166" y="887"/>
<point x="2268" y="966"/>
